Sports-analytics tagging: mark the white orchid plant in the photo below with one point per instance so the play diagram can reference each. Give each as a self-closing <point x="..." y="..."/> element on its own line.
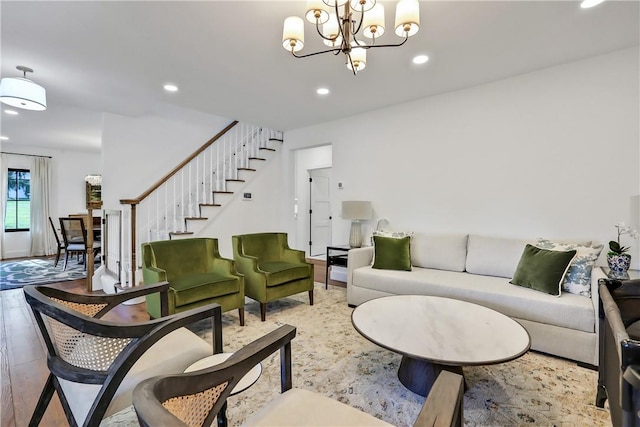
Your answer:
<point x="614" y="245"/>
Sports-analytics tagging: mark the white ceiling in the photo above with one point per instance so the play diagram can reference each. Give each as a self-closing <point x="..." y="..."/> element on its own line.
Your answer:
<point x="227" y="58"/>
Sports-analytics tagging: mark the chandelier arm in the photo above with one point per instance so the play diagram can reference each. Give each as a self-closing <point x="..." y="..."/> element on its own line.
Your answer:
<point x="335" y="51"/>
<point x="331" y="39"/>
<point x="361" y="20"/>
<point x="355" y="71"/>
<point x="406" y="37"/>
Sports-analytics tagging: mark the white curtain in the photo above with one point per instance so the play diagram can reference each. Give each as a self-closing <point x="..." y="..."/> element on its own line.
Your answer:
<point x="42" y="240"/>
<point x="3" y="200"/>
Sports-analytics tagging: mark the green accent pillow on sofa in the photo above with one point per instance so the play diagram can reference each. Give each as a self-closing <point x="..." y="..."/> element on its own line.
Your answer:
<point x="391" y="253"/>
<point x="542" y="270"/>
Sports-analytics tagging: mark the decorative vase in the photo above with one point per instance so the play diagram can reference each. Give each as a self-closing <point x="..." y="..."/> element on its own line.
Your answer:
<point x="618" y="264"/>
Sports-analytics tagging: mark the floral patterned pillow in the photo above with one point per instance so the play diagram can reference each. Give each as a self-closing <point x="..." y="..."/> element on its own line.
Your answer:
<point x="578" y="278"/>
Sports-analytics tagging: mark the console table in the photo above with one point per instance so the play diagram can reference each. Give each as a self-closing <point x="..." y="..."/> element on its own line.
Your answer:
<point x="339" y="258"/>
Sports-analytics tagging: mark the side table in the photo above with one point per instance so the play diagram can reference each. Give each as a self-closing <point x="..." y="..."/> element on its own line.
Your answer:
<point x="339" y="259"/>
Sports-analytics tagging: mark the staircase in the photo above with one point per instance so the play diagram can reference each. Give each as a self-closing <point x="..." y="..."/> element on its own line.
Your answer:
<point x="189" y="197"/>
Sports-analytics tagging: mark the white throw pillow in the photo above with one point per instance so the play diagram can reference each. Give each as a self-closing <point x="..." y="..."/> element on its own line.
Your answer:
<point x="578" y="278"/>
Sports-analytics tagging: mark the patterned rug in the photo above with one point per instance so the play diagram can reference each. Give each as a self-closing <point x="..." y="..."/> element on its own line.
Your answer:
<point x="331" y="358"/>
<point x="37" y="271"/>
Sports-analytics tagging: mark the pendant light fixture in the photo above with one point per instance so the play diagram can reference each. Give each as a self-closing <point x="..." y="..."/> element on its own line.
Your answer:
<point x="20" y="92"/>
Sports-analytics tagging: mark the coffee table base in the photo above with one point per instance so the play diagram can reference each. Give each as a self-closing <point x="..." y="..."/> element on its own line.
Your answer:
<point x="419" y="375"/>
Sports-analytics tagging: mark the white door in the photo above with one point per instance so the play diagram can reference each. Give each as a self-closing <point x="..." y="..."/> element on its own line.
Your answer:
<point x="319" y="210"/>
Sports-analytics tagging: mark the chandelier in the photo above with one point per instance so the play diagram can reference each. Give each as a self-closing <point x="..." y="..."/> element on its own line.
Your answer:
<point x="23" y="93"/>
<point x="340" y="31"/>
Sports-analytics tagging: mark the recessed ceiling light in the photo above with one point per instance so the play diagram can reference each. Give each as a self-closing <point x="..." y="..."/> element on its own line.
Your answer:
<point x="322" y="91"/>
<point x="586" y="4"/>
<point x="11" y="112"/>
<point x="4" y="138"/>
<point x="420" y="59"/>
<point x="170" y="87"/>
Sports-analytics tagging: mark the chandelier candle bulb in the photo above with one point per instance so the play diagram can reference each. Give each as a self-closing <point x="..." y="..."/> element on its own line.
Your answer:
<point x="407" y="17"/>
<point x="293" y="34"/>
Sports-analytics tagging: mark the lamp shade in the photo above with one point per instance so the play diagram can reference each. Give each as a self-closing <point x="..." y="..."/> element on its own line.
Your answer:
<point x="374" y="22"/>
<point x="293" y="34"/>
<point x="317" y="11"/>
<point x="23" y="93"/>
<point x="358" y="57"/>
<point x="356" y="209"/>
<point x="407" y="17"/>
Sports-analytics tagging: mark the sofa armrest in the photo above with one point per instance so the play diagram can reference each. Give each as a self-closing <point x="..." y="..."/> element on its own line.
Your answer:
<point x="358" y="257"/>
<point x="223" y="266"/>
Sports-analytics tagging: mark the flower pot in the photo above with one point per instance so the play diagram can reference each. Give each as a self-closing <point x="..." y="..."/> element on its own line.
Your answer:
<point x="618" y="263"/>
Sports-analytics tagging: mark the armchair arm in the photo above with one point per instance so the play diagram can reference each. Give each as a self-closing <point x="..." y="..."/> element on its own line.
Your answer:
<point x="154" y="274"/>
<point x="443" y="406"/>
<point x="111" y="300"/>
<point x="293" y="255"/>
<point x="149" y="394"/>
<point x="223" y="265"/>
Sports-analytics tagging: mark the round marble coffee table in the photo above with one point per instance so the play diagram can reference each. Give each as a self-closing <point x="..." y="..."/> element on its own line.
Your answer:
<point x="434" y="334"/>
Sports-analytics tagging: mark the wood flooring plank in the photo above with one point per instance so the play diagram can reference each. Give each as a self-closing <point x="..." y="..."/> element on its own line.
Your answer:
<point x="7" y="417"/>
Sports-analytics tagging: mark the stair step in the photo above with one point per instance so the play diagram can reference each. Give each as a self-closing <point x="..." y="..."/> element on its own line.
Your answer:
<point x="179" y="233"/>
<point x="246" y="169"/>
<point x="276" y="139"/>
<point x="235" y="180"/>
<point x="209" y="204"/>
<point x="257" y="158"/>
<point x="196" y="218"/>
<point x="267" y="149"/>
<point x="223" y="192"/>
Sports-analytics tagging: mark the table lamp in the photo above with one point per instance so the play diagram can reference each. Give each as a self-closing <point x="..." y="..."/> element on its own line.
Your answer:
<point x="356" y="211"/>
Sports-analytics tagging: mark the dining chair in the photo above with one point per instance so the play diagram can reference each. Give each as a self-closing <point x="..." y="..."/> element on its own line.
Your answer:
<point x="95" y="364"/>
<point x="60" y="244"/>
<point x="194" y="399"/>
<point x="75" y="239"/>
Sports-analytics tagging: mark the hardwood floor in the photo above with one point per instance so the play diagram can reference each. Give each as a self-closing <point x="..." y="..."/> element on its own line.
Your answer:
<point x="23" y="362"/>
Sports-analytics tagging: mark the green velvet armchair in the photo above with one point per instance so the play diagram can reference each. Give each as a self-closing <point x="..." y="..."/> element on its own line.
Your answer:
<point x="196" y="273"/>
<point x="271" y="269"/>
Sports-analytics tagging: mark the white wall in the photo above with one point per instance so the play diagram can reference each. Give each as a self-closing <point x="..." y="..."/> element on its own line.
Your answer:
<point x="552" y="153"/>
<point x="138" y="151"/>
<point x="68" y="186"/>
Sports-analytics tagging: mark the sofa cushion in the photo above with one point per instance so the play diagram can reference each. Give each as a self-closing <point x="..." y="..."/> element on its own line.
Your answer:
<point x="542" y="269"/>
<point x="568" y="311"/>
<point x="578" y="278"/>
<point x="202" y="286"/>
<point x="279" y="272"/>
<point x="441" y="251"/>
<point x="494" y="256"/>
<point x="392" y="253"/>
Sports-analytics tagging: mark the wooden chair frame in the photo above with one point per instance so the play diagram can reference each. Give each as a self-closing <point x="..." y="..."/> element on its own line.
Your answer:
<point x="443" y="406"/>
<point x="60" y="244"/>
<point x="143" y="335"/>
<point x="67" y="244"/>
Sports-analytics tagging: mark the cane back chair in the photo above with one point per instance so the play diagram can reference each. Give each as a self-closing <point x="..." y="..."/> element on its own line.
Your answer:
<point x="94" y="364"/>
<point x="193" y="399"/>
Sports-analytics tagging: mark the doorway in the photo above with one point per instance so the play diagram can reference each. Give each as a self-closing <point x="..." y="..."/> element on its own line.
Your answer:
<point x="310" y="161"/>
<point x="319" y="210"/>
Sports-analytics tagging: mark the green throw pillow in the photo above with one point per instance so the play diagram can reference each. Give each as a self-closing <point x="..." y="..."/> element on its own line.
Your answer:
<point x="542" y="269"/>
<point x="391" y="253"/>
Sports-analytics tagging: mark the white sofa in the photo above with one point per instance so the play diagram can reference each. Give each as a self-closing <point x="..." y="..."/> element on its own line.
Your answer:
<point x="477" y="269"/>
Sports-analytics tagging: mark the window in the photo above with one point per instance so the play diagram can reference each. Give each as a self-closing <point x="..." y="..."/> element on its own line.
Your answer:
<point x="18" y="212"/>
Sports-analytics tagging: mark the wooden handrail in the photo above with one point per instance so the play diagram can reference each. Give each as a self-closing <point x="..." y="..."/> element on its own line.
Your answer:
<point x="177" y="168"/>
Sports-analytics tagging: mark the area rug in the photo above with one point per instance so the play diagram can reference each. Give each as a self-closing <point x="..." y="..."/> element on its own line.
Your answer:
<point x="331" y="358"/>
<point x="37" y="271"/>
